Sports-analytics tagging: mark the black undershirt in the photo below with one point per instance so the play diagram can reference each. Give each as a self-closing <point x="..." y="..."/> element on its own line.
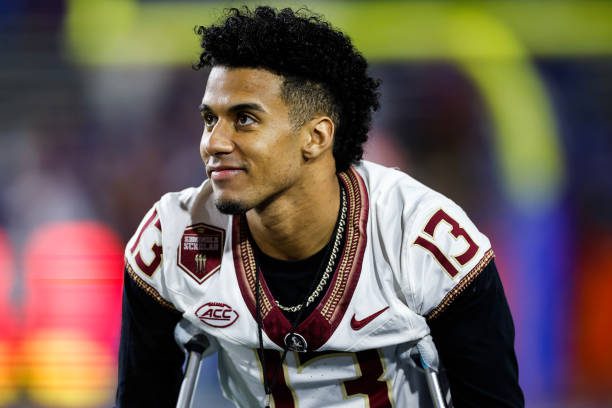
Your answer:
<point x="290" y="282"/>
<point x="474" y="336"/>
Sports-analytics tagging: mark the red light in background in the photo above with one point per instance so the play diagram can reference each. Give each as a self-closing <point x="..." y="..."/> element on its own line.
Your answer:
<point x="593" y="331"/>
<point x="73" y="276"/>
<point x="8" y="329"/>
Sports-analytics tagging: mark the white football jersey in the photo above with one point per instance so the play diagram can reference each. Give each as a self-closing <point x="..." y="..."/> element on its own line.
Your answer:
<point x="408" y="252"/>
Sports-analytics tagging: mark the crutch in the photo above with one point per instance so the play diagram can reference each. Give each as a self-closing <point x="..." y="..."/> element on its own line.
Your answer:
<point x="428" y="357"/>
<point x="195" y="348"/>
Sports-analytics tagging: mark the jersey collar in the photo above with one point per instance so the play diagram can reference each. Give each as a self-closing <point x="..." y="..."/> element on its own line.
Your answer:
<point x="323" y="320"/>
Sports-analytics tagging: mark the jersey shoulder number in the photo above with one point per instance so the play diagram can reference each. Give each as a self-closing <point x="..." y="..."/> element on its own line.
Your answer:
<point x="442" y="250"/>
<point x="446" y="254"/>
<point x="144" y="250"/>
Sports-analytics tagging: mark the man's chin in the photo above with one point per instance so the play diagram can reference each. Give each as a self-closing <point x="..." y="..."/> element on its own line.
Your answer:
<point x="230" y="207"/>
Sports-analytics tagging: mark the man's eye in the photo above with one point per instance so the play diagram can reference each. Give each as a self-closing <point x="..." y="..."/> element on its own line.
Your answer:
<point x="244" y="120"/>
<point x="209" y="119"/>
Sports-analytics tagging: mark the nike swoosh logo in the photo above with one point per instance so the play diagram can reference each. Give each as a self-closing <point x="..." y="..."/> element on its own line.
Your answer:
<point x="360" y="324"/>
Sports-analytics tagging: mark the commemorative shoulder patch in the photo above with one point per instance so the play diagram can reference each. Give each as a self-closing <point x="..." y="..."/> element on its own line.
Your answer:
<point x="200" y="251"/>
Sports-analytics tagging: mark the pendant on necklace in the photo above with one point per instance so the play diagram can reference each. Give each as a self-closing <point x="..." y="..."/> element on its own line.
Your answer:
<point x="295" y="342"/>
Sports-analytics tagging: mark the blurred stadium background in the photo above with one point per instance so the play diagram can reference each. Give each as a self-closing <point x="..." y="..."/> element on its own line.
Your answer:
<point x="505" y="106"/>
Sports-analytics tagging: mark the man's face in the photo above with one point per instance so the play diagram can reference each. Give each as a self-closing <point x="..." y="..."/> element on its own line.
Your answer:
<point x="251" y="152"/>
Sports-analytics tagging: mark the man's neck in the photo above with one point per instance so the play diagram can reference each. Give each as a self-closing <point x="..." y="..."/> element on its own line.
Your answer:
<point x="298" y="223"/>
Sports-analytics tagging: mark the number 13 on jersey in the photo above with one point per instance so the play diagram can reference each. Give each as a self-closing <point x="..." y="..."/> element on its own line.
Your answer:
<point x="368" y="383"/>
<point x="427" y="241"/>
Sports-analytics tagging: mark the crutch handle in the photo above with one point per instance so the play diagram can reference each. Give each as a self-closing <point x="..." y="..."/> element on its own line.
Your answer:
<point x="198" y="343"/>
<point x="195" y="347"/>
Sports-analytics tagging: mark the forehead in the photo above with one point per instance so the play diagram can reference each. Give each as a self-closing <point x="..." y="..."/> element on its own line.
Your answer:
<point x="231" y="86"/>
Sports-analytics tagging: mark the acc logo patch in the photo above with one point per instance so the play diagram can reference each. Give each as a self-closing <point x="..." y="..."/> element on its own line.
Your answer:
<point x="217" y="314"/>
<point x="200" y="251"/>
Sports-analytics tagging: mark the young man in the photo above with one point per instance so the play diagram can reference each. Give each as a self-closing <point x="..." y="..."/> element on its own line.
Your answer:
<point x="312" y="272"/>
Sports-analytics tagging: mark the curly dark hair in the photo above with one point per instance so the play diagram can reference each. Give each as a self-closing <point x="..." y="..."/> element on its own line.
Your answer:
<point x="322" y="71"/>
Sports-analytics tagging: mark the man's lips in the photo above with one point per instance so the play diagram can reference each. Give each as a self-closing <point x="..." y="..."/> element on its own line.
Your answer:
<point x="219" y="173"/>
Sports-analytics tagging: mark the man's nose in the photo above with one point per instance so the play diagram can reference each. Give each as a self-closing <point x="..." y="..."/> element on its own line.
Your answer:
<point x="217" y="141"/>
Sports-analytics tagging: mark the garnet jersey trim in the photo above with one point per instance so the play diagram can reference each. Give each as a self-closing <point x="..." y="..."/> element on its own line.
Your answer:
<point x="148" y="289"/>
<point x="321" y="323"/>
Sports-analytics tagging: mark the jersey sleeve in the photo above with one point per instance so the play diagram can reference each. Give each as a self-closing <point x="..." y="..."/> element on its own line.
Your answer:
<point x="444" y="253"/>
<point x="144" y="257"/>
<point x="150" y="360"/>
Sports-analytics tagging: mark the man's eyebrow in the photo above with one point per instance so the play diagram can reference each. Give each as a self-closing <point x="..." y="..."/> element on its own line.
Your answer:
<point x="235" y="108"/>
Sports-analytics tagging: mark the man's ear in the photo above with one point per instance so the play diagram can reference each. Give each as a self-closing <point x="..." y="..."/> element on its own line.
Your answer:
<point x="319" y="138"/>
